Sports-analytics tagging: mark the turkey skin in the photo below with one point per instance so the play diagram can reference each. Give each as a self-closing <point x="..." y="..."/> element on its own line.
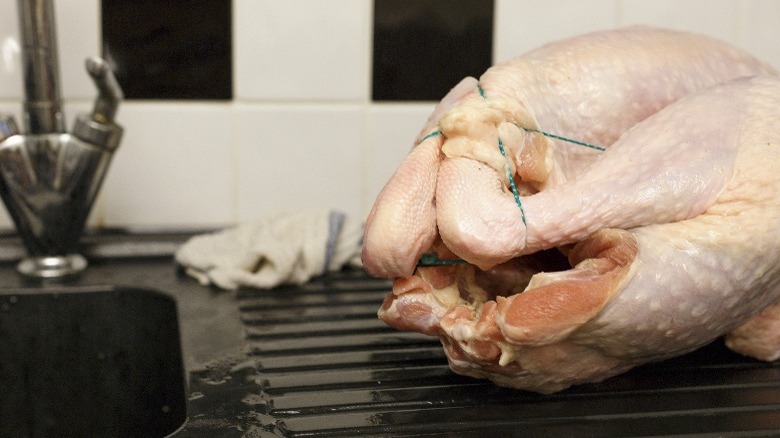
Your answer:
<point x="582" y="263"/>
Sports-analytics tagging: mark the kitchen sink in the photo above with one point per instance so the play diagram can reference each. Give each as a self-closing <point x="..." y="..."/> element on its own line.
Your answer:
<point x="90" y="361"/>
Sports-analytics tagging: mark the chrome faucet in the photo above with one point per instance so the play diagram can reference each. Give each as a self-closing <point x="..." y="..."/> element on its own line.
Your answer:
<point x="49" y="178"/>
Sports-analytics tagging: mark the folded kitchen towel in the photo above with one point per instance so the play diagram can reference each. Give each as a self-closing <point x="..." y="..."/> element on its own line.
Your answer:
<point x="283" y="248"/>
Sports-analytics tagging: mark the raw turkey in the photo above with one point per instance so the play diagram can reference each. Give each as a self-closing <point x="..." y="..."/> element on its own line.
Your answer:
<point x="581" y="263"/>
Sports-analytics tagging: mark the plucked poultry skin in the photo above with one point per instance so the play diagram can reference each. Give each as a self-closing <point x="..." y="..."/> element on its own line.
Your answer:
<point x="670" y="235"/>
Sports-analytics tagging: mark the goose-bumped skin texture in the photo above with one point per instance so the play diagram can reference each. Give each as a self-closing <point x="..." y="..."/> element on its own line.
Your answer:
<point x="639" y="289"/>
<point x="631" y="295"/>
<point x="453" y="188"/>
<point x="650" y="249"/>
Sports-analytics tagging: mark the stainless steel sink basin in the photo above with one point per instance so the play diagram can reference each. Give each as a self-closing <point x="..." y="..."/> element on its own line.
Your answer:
<point x="90" y="361"/>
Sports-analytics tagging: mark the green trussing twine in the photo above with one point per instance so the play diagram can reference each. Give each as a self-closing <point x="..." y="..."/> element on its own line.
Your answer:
<point x="546" y="134"/>
<point x="511" y="179"/>
<point x="432" y="134"/>
<point x="507" y="168"/>
<point x="558" y="137"/>
<point x="433" y="260"/>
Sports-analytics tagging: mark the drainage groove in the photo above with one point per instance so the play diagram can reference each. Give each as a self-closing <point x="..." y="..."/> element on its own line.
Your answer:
<point x="326" y="367"/>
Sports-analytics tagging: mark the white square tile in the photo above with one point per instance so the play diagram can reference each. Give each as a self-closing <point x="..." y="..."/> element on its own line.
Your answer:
<point x="392" y="131"/>
<point x="10" y="52"/>
<point x="78" y="37"/>
<point x="716" y="18"/>
<point x="77" y="32"/>
<point x="760" y="30"/>
<point x="173" y="168"/>
<point x="298" y="157"/>
<point x="302" y="49"/>
<point x="522" y="26"/>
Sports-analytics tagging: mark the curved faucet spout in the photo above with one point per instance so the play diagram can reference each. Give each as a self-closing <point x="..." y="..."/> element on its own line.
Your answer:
<point x="43" y="103"/>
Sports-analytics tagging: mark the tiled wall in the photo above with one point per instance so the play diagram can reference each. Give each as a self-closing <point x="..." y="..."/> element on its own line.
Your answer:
<point x="301" y="130"/>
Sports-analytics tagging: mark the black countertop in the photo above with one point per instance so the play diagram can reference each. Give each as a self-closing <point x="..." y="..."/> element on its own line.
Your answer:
<point x="315" y="361"/>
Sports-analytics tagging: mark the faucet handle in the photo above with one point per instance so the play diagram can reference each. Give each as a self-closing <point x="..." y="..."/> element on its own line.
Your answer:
<point x="109" y="91"/>
<point x="99" y="127"/>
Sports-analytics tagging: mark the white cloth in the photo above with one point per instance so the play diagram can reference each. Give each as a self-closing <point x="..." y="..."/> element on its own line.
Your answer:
<point x="284" y="248"/>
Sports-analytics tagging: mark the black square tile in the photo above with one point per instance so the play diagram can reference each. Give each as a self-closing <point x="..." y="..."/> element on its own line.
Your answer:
<point x="169" y="49"/>
<point x="423" y="48"/>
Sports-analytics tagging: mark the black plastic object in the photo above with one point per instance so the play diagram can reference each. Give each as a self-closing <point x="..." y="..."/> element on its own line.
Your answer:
<point x="90" y="362"/>
<point x="327" y="367"/>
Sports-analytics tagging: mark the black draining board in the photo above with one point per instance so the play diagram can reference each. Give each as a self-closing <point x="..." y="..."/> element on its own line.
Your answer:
<point x="327" y="367"/>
